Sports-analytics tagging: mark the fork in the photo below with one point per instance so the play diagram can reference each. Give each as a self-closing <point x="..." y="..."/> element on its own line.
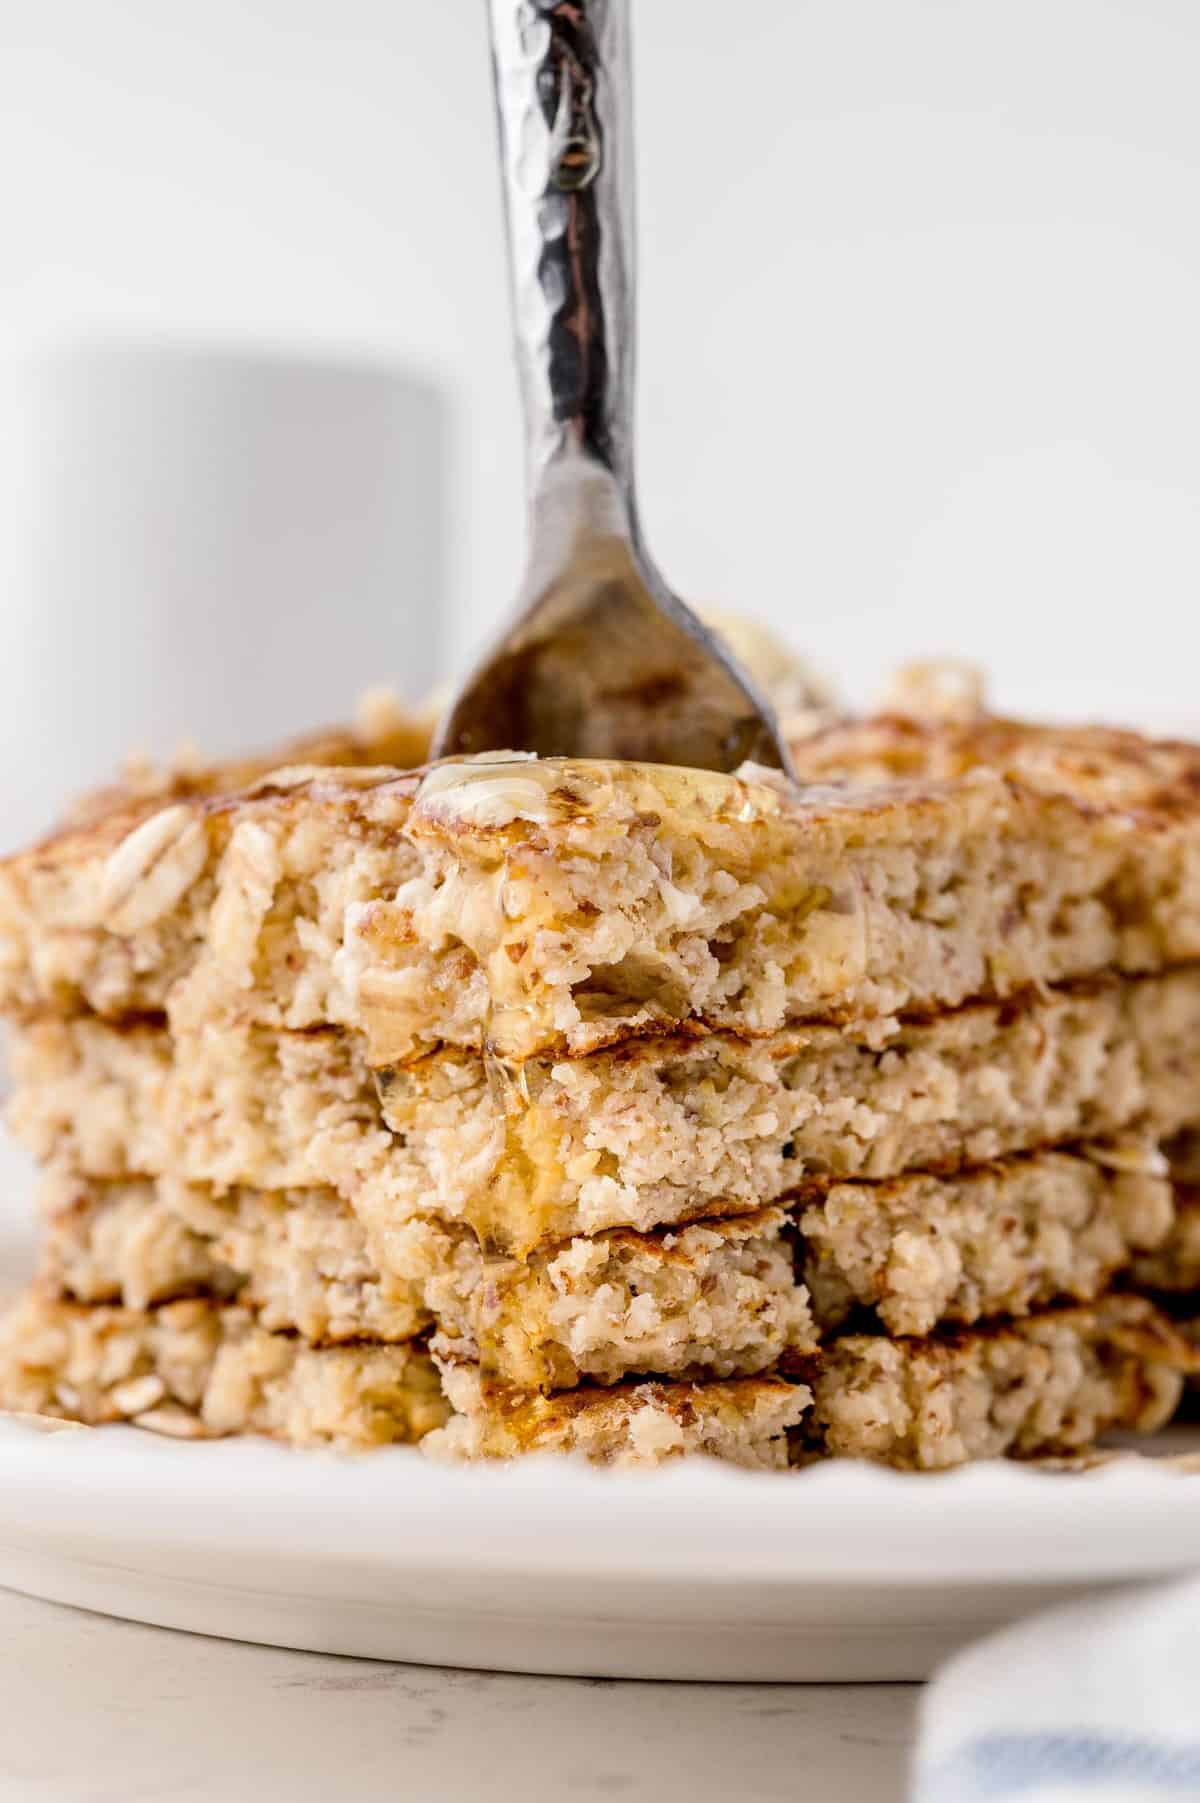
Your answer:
<point x="599" y="658"/>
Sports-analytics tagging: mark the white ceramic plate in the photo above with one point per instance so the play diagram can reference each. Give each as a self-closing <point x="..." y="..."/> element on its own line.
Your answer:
<point x="696" y="1571"/>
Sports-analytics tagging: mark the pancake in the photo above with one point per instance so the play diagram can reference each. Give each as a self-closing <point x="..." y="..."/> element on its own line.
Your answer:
<point x="1172" y="1269"/>
<point x="535" y="906"/>
<point x="199" y="1369"/>
<point x="745" y="1422"/>
<point x="1047" y="1385"/>
<point x="664" y="1129"/>
<point x="711" y="1300"/>
<point x="297" y="1258"/>
<point x="1002" y="1239"/>
<point x="656" y="1132"/>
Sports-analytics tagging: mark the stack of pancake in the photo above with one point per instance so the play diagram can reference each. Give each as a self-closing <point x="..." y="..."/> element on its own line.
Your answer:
<point x="517" y="1105"/>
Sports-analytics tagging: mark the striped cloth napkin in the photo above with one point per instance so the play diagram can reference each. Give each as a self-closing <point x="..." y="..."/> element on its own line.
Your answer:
<point x="1100" y="1699"/>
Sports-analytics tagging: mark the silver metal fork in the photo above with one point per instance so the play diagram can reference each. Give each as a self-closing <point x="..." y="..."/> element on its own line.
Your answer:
<point x="599" y="659"/>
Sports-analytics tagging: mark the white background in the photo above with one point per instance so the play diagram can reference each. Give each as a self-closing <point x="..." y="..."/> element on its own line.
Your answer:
<point x="920" y="289"/>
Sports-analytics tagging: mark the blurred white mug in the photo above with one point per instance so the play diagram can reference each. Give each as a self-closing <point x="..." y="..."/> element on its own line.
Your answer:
<point x="210" y="546"/>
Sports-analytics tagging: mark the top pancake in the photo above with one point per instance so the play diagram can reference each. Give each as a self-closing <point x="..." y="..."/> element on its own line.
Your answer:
<point x="522" y="906"/>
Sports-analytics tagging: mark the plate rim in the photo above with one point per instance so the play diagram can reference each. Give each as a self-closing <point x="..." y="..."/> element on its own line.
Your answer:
<point x="832" y="1526"/>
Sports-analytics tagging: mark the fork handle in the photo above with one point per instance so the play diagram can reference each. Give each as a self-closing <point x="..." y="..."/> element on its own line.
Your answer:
<point x="564" y="104"/>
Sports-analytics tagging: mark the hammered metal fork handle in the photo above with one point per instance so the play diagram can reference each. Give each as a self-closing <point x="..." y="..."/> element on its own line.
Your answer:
<point x="563" y="96"/>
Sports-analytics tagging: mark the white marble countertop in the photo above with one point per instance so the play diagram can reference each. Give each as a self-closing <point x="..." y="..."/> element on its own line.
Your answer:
<point x="93" y="1709"/>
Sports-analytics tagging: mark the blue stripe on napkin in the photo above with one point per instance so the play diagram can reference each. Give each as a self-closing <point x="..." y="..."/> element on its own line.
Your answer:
<point x="997" y="1766"/>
